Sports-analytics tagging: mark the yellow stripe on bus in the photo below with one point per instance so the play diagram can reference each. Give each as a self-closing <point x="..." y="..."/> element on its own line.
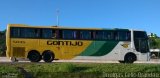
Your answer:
<point x="63" y="49"/>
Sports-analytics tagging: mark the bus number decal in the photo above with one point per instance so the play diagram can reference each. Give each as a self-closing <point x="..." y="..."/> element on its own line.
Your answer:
<point x="23" y="42"/>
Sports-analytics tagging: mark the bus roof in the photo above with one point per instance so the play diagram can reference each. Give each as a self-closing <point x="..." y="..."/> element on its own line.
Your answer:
<point x="66" y="27"/>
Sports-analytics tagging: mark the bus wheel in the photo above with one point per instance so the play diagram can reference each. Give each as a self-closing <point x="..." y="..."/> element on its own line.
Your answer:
<point x="34" y="56"/>
<point x="130" y="58"/>
<point x="48" y="56"/>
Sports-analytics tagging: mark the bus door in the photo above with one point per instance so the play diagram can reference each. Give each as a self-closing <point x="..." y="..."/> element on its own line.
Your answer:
<point x="142" y="46"/>
<point x="141" y="41"/>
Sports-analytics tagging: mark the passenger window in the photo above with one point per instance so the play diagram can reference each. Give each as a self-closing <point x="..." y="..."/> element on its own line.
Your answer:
<point x="124" y="35"/>
<point x="68" y="34"/>
<point x="85" y="34"/>
<point x="76" y="34"/>
<point x="99" y="35"/>
<point x="30" y="32"/>
<point x="108" y="35"/>
<point x="48" y="33"/>
<point x="128" y="37"/>
<point x="15" y="32"/>
<point x="60" y="34"/>
<point x="25" y="33"/>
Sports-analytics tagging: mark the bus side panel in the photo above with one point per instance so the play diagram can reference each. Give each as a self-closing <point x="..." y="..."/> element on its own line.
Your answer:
<point x="71" y="51"/>
<point x="105" y="50"/>
<point x="48" y="44"/>
<point x="64" y="49"/>
<point x="21" y="47"/>
<point x="97" y="49"/>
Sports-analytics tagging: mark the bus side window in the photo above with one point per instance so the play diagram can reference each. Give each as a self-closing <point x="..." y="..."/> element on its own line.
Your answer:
<point x="47" y="33"/>
<point x="116" y="37"/>
<point x="68" y="34"/>
<point x="128" y="37"/>
<point x="92" y="35"/>
<point x="54" y="34"/>
<point x="60" y="34"/>
<point x="71" y="34"/>
<point x="123" y="36"/>
<point x="77" y="32"/>
<point x="29" y="33"/>
<point x="85" y="34"/>
<point x="15" y="32"/>
<point x="36" y="33"/>
<point x="108" y="35"/>
<point x="99" y="35"/>
<point x="23" y="33"/>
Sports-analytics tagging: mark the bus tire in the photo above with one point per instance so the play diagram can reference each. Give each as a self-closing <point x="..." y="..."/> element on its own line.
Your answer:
<point x="48" y="56"/>
<point x="34" y="56"/>
<point x="130" y="58"/>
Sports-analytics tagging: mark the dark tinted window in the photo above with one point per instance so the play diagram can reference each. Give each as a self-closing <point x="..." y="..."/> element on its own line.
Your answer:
<point x="124" y="35"/>
<point x="141" y="41"/>
<point x="69" y="34"/>
<point x="15" y="32"/>
<point x="30" y="33"/>
<point x="108" y="35"/>
<point x="140" y="34"/>
<point x="99" y="35"/>
<point x="104" y="35"/>
<point x="85" y="34"/>
<point x="48" y="33"/>
<point x="25" y="33"/>
<point x="72" y="34"/>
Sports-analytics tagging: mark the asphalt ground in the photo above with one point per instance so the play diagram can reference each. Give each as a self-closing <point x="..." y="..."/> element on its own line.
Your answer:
<point x="7" y="60"/>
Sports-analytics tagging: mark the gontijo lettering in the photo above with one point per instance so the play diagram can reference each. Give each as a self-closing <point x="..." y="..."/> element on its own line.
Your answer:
<point x="67" y="43"/>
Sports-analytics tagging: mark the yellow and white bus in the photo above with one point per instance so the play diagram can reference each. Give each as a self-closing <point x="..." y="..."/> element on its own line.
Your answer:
<point x="56" y="43"/>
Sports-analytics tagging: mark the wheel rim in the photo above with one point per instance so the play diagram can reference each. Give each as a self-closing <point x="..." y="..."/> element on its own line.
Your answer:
<point x="130" y="59"/>
<point x="47" y="57"/>
<point x="34" y="57"/>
